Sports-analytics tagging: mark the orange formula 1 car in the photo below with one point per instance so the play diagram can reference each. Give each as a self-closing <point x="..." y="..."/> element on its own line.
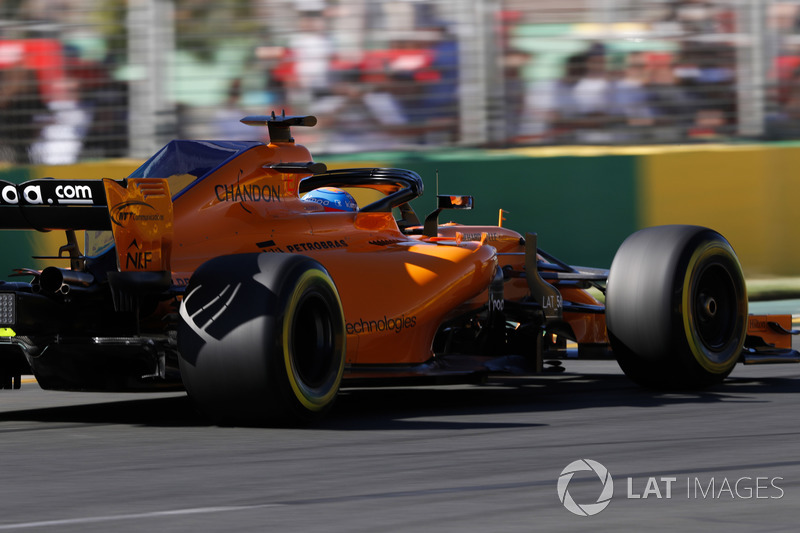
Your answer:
<point x="216" y="268"/>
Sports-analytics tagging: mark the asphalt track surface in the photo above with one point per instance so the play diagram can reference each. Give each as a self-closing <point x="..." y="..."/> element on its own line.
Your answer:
<point x="451" y="458"/>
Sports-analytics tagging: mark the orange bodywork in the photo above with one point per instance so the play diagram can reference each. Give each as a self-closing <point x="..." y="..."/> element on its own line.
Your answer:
<point x="589" y="328"/>
<point x="185" y="290"/>
<point x="393" y="300"/>
<point x="397" y="288"/>
<point x="773" y="330"/>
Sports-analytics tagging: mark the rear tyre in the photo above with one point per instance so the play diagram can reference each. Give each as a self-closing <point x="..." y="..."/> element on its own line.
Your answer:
<point x="676" y="307"/>
<point x="262" y="339"/>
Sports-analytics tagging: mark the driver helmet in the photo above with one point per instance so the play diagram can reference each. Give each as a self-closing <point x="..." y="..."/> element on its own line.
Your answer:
<point x="332" y="199"/>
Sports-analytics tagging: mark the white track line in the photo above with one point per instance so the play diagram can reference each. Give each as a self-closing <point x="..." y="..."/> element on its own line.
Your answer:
<point x="138" y="516"/>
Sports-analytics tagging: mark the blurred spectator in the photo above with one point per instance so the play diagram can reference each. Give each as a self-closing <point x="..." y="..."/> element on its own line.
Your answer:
<point x="631" y="95"/>
<point x="706" y="70"/>
<point x="709" y="124"/>
<point x="276" y="64"/>
<point x="700" y="17"/>
<point x="439" y="100"/>
<point x="584" y="99"/>
<point x="592" y="93"/>
<point x="555" y="103"/>
<point x="783" y="17"/>
<point x="23" y="113"/>
<point x="62" y="137"/>
<point x="383" y="114"/>
<point x="310" y="51"/>
<point x="784" y="122"/>
<point x="108" y="131"/>
<point x="106" y="102"/>
<point x="784" y="72"/>
<point x="358" y="116"/>
<point x="404" y="95"/>
<point x="515" y="92"/>
<point x="671" y="104"/>
<point x="227" y="120"/>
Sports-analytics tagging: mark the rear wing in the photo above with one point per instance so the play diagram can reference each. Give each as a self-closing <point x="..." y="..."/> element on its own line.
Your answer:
<point x="138" y="212"/>
<point x="49" y="204"/>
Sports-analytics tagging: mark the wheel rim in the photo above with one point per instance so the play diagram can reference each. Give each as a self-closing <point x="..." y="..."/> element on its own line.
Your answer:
<point x="313" y="340"/>
<point x="715" y="308"/>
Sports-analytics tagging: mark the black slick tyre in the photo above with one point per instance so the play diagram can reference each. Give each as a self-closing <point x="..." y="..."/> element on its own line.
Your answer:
<point x="676" y="307"/>
<point x="261" y="339"/>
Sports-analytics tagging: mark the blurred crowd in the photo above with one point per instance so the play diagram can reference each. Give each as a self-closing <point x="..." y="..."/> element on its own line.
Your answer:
<point x="402" y="74"/>
<point x="405" y="93"/>
<point x="57" y="115"/>
<point x="639" y="97"/>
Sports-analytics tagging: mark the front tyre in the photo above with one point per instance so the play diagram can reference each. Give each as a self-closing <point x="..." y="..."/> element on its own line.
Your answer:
<point x="262" y="339"/>
<point x="676" y="307"/>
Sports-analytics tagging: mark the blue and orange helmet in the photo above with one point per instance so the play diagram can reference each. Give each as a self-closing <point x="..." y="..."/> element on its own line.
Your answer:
<point x="332" y="199"/>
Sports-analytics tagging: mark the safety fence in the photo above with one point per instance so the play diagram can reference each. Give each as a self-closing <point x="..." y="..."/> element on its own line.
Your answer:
<point x="88" y="79"/>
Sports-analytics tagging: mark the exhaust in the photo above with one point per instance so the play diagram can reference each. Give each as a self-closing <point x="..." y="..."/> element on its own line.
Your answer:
<point x="64" y="281"/>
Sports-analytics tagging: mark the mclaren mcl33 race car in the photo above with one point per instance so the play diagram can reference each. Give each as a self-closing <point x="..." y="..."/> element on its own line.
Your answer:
<point x="213" y="268"/>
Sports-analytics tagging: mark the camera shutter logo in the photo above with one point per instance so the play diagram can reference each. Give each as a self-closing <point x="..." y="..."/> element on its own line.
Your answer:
<point x="588" y="509"/>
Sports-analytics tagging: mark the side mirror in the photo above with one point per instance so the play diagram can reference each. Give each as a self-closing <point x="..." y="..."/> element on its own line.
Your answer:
<point x="431" y="227"/>
<point x="454" y="202"/>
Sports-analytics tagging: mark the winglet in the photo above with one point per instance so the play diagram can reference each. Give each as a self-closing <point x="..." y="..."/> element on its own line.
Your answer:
<point x="278" y="125"/>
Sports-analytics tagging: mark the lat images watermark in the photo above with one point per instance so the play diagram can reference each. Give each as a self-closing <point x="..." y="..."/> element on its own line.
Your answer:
<point x="587" y="509"/>
<point x="756" y="487"/>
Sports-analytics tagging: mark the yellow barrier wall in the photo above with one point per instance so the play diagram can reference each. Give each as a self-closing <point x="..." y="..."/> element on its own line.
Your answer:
<point x="748" y="193"/>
